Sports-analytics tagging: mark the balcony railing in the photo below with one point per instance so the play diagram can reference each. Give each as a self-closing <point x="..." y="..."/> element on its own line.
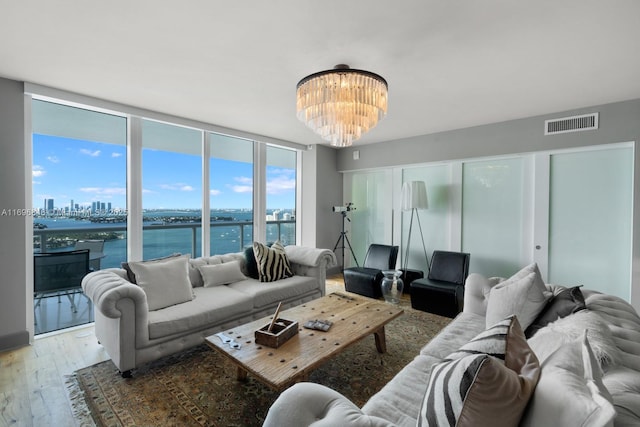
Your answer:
<point x="55" y="239"/>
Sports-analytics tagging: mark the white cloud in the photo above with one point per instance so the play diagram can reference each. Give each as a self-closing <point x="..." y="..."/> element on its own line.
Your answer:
<point x="215" y="192"/>
<point x="53" y="159"/>
<point x="280" y="184"/>
<point x="90" y="153"/>
<point x="177" y="187"/>
<point x="116" y="154"/>
<point x="243" y="179"/>
<point x="242" y="188"/>
<point x="37" y="171"/>
<point x="105" y="191"/>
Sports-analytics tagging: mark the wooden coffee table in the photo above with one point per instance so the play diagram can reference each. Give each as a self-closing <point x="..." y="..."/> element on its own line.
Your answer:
<point x="353" y="316"/>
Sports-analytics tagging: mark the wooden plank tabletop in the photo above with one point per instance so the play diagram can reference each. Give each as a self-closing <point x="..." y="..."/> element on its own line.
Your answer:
<point x="353" y="316"/>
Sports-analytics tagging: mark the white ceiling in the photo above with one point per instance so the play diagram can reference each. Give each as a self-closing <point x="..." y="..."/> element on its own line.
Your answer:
<point x="449" y="64"/>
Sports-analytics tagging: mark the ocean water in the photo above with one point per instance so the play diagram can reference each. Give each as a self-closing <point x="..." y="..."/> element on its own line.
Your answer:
<point x="162" y="242"/>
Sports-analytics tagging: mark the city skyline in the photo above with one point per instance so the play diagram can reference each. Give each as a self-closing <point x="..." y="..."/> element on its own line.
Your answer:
<point x="84" y="172"/>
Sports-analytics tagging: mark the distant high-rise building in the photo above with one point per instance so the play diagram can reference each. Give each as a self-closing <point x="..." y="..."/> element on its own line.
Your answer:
<point x="48" y="205"/>
<point x="109" y="207"/>
<point x="102" y="207"/>
<point x="71" y="205"/>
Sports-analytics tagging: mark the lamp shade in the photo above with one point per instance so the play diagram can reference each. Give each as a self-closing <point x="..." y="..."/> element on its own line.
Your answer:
<point x="414" y="195"/>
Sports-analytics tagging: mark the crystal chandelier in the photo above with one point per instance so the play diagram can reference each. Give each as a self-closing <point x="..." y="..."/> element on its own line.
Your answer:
<point x="341" y="104"/>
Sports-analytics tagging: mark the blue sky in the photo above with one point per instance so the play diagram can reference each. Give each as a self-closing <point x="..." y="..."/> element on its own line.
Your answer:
<point x="70" y="169"/>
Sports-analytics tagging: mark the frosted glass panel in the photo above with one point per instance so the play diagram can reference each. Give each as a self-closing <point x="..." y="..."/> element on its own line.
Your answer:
<point x="492" y="215"/>
<point x="371" y="200"/>
<point x="590" y="220"/>
<point x="434" y="221"/>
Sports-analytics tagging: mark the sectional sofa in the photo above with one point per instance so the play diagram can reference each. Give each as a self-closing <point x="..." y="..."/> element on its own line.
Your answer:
<point x="177" y="302"/>
<point x="580" y="366"/>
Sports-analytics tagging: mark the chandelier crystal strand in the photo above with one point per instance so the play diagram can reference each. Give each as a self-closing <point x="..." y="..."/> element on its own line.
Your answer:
<point x="341" y="104"/>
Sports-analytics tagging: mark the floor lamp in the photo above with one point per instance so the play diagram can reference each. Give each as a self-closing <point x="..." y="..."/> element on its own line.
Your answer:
<point x="414" y="197"/>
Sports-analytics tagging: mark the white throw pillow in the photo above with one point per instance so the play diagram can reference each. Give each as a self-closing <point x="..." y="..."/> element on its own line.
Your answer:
<point x="221" y="274"/>
<point x="164" y="282"/>
<point x="519" y="295"/>
<point x="570" y="391"/>
<point x="567" y="329"/>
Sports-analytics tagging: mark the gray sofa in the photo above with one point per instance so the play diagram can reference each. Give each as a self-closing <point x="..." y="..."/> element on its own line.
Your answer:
<point x="614" y="333"/>
<point x="133" y="335"/>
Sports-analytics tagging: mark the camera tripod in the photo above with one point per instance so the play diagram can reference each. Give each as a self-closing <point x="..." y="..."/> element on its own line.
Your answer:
<point x="345" y="240"/>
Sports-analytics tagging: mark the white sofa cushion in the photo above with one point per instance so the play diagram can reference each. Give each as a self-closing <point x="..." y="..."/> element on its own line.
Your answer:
<point x="164" y="282"/>
<point x="221" y="274"/>
<point x="265" y="294"/>
<point x="520" y="295"/>
<point x="210" y="306"/>
<point x="570" y="391"/>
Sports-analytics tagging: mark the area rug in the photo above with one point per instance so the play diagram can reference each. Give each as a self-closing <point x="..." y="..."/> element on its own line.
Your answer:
<point x="198" y="387"/>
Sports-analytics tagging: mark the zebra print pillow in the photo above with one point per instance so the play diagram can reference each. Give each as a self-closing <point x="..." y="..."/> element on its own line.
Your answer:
<point x="473" y="388"/>
<point x="273" y="263"/>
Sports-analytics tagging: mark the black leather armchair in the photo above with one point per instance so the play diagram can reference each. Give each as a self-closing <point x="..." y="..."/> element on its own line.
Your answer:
<point x="442" y="291"/>
<point x="366" y="280"/>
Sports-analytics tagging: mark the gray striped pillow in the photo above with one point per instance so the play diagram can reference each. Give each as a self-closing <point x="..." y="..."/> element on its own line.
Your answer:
<point x="492" y="341"/>
<point x="273" y="263"/>
<point x="471" y="388"/>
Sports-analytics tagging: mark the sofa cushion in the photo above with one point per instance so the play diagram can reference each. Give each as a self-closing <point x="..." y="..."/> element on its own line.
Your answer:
<point x="273" y="263"/>
<point x="400" y="399"/>
<point x="221" y="274"/>
<point x="570" y="391"/>
<point x="472" y="389"/>
<point x="520" y="295"/>
<point x="454" y="335"/>
<point x="282" y="290"/>
<point x="567" y="329"/>
<point x="131" y="276"/>
<point x="210" y="306"/>
<point x="564" y="303"/>
<point x="164" y="282"/>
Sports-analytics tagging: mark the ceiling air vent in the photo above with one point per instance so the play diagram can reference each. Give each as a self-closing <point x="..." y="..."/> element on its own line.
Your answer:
<point x="571" y="124"/>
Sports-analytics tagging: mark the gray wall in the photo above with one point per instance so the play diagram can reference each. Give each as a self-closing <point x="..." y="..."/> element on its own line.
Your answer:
<point x="13" y="262"/>
<point x="322" y="190"/>
<point x="619" y="122"/>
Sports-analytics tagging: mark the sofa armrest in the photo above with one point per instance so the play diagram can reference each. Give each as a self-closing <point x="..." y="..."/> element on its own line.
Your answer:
<point x="309" y="404"/>
<point x="106" y="288"/>
<point x="476" y="293"/>
<point x="310" y="257"/>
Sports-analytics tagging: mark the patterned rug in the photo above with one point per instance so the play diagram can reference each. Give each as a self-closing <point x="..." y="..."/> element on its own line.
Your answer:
<point x="198" y="387"/>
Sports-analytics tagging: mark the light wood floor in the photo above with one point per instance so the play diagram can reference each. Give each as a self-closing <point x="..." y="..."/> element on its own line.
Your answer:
<point x="32" y="379"/>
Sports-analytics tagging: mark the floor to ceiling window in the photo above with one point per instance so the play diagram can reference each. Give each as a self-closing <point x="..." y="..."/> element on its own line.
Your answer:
<point x="98" y="171"/>
<point x="281" y="195"/>
<point x="79" y="201"/>
<point x="171" y="190"/>
<point x="230" y="193"/>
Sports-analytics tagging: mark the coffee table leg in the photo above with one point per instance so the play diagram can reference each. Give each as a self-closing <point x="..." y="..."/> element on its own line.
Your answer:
<point x="242" y="374"/>
<point x="381" y="340"/>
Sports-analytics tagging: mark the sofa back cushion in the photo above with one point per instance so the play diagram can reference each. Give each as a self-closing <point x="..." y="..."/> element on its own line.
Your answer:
<point x="164" y="282"/>
<point x="221" y="274"/>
